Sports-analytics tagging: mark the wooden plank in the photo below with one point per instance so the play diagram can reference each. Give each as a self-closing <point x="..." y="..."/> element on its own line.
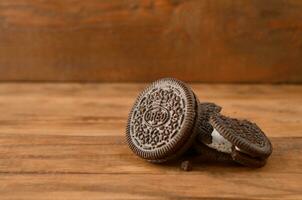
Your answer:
<point x="141" y="40"/>
<point x="110" y="155"/>
<point x="66" y="141"/>
<point x="102" y="109"/>
<point x="205" y="185"/>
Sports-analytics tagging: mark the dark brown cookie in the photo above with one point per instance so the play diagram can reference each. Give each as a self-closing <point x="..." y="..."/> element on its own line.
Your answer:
<point x="246" y="160"/>
<point x="206" y="110"/>
<point x="163" y="121"/>
<point x="246" y="136"/>
<point x="208" y="154"/>
<point x="209" y="107"/>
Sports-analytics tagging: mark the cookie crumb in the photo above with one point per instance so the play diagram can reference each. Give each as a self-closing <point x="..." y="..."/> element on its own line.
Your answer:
<point x="186" y="166"/>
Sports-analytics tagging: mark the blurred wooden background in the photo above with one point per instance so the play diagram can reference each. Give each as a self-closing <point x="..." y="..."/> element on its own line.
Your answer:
<point x="142" y="40"/>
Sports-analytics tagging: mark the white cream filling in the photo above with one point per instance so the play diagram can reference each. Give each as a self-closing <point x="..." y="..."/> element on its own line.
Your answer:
<point x="242" y="151"/>
<point x="220" y="143"/>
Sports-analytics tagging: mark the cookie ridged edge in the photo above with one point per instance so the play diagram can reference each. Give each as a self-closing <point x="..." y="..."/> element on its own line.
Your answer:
<point x="165" y="153"/>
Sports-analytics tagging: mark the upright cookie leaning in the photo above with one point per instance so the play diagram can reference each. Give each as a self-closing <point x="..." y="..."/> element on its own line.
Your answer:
<point x="163" y="121"/>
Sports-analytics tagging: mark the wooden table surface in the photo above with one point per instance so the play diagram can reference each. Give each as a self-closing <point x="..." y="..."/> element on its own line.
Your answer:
<point x="66" y="141"/>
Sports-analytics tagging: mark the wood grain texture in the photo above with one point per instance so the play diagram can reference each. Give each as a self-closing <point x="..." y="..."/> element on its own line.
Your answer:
<point x="141" y="40"/>
<point x="66" y="141"/>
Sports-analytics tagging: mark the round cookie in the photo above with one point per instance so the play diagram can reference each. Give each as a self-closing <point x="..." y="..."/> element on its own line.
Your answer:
<point x="245" y="136"/>
<point x="163" y="121"/>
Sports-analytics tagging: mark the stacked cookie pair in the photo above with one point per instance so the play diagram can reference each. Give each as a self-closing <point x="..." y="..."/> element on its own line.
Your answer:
<point x="167" y="119"/>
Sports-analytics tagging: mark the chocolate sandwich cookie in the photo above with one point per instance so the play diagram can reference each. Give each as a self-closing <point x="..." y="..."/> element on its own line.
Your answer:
<point x="244" y="140"/>
<point x="163" y="121"/>
<point x="206" y="110"/>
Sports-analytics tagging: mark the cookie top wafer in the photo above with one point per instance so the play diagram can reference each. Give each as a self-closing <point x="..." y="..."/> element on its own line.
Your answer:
<point x="209" y="107"/>
<point x="161" y="122"/>
<point x="246" y="136"/>
<point x="206" y="110"/>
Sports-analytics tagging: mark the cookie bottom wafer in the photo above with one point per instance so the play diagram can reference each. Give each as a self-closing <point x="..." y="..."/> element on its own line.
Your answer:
<point x="246" y="160"/>
<point x="208" y="154"/>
